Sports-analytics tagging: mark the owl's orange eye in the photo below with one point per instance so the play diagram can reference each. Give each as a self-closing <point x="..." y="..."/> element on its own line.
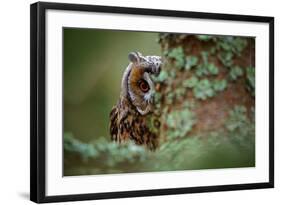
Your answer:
<point x="144" y="86"/>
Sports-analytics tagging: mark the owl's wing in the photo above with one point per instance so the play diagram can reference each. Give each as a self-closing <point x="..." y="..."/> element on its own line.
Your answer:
<point x="117" y="116"/>
<point x="114" y="123"/>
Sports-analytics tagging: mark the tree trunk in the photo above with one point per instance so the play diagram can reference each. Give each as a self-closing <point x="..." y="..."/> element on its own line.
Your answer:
<point x="203" y="79"/>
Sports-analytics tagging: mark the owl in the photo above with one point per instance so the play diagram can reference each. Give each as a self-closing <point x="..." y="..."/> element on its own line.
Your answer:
<point x="128" y="118"/>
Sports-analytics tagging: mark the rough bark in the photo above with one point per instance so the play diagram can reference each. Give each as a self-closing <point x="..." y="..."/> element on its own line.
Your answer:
<point x="203" y="78"/>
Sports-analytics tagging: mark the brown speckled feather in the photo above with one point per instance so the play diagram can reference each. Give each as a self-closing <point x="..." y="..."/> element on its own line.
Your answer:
<point x="128" y="124"/>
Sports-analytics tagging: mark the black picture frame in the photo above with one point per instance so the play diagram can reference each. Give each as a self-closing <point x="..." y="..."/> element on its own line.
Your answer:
<point x="38" y="101"/>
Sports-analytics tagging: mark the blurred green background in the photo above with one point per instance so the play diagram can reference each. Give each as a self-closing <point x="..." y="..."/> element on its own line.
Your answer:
<point x="94" y="61"/>
<point x="210" y="125"/>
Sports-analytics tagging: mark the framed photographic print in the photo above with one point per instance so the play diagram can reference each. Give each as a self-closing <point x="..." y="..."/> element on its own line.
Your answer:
<point x="129" y="102"/>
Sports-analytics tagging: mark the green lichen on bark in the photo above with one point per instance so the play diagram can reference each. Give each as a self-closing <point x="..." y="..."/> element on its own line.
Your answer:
<point x="212" y="74"/>
<point x="215" y="69"/>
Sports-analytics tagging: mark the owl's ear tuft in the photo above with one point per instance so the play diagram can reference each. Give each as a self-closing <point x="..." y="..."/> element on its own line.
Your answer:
<point x="134" y="57"/>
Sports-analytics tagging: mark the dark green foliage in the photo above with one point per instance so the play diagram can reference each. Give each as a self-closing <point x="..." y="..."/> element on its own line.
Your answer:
<point x="180" y="93"/>
<point x="212" y="69"/>
<point x="190" y="104"/>
<point x="228" y="44"/>
<point x="152" y="124"/>
<point x="204" y="37"/>
<point x="214" y="150"/>
<point x="205" y="56"/>
<point x="191" y="61"/>
<point x="178" y="55"/>
<point x="84" y="150"/>
<point x="170" y="98"/>
<point x="237" y="118"/>
<point x="206" y="68"/>
<point x="109" y="153"/>
<point x="235" y="72"/>
<point x="228" y="47"/>
<point x="163" y="75"/>
<point x="220" y="85"/>
<point x="203" y="89"/>
<point x="190" y="82"/>
<point x="179" y="122"/>
<point x="241" y="128"/>
<point x="231" y="44"/>
<point x="201" y="70"/>
<point x="180" y="61"/>
<point x="250" y="72"/>
<point x="157" y="98"/>
<point x="172" y="74"/>
<point x="226" y="58"/>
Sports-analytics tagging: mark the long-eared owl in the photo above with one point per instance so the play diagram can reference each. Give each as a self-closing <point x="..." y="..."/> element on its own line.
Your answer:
<point x="128" y="117"/>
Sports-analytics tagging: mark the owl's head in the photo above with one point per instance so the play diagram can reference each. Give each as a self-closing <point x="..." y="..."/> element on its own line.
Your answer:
<point x="137" y="84"/>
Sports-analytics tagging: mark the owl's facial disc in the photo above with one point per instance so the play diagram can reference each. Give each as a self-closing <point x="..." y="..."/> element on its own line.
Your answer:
<point x="141" y="91"/>
<point x="138" y="86"/>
